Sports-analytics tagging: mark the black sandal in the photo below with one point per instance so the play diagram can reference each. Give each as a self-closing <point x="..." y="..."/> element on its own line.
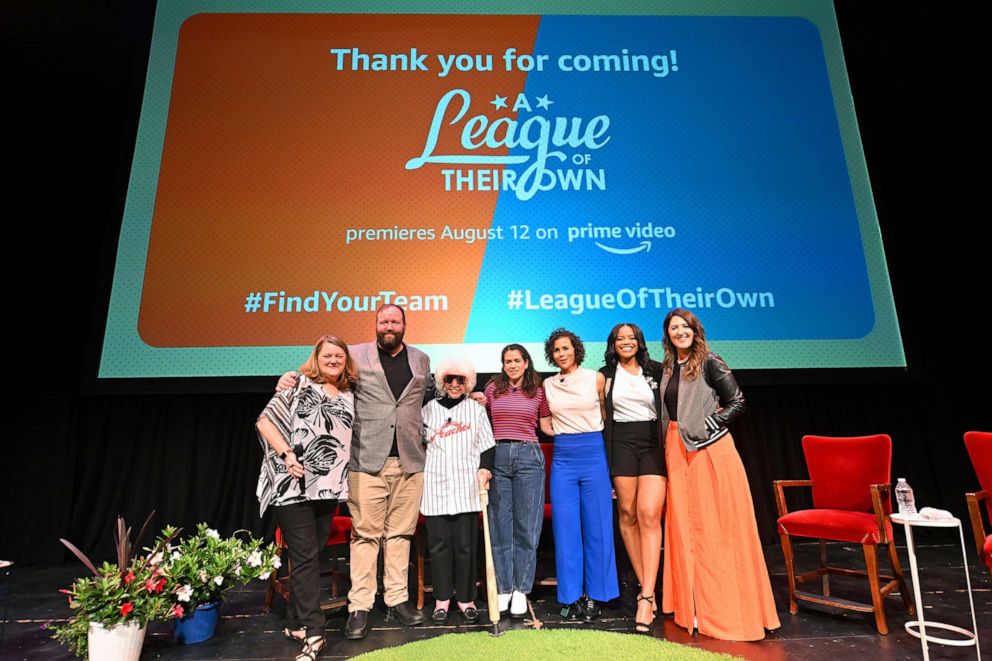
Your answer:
<point x="296" y="635"/>
<point x="645" y="627"/>
<point x="311" y="648"/>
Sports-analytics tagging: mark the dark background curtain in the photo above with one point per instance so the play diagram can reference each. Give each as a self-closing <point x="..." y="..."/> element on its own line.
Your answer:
<point x="72" y="461"/>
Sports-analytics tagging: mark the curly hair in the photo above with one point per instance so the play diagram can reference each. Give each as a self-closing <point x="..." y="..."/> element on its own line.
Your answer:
<point x="557" y="334"/>
<point x="459" y="366"/>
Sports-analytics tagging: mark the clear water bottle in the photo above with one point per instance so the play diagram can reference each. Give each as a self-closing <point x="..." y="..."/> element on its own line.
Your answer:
<point x="904" y="497"/>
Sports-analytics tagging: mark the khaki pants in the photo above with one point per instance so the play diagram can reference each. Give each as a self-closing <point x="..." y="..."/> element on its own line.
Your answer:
<point x="384" y="509"/>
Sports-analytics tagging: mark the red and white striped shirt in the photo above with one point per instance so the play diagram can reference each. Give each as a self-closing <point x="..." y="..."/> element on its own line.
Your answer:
<point x="514" y="414"/>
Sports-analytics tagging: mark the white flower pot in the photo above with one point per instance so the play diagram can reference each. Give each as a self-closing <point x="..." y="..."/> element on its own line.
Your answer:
<point x="117" y="642"/>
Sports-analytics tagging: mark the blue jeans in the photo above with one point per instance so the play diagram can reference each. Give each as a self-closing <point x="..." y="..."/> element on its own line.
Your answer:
<point x="516" y="513"/>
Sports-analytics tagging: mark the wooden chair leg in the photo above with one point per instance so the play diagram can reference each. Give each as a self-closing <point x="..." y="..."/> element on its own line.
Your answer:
<point x="269" y="593"/>
<point x="823" y="565"/>
<point x="790" y="569"/>
<point x="871" y="560"/>
<point x="273" y="579"/>
<point x="897" y="572"/>
<point x="418" y="538"/>
<point x="334" y="572"/>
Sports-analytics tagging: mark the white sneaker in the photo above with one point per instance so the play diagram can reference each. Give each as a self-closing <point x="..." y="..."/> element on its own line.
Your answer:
<point x="503" y="601"/>
<point x="518" y="604"/>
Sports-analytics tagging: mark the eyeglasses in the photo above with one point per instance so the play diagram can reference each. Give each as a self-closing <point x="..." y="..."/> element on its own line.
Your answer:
<point x="456" y="378"/>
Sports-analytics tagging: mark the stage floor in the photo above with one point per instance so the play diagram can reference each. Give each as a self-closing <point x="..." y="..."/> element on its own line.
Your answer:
<point x="815" y="633"/>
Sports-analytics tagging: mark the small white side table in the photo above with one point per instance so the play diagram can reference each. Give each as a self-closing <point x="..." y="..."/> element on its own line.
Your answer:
<point x="919" y="627"/>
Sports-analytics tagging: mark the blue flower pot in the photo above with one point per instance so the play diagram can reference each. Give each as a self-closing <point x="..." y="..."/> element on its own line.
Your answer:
<point x="199" y="625"/>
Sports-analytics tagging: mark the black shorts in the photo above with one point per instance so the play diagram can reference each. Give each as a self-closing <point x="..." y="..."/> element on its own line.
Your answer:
<point x="637" y="450"/>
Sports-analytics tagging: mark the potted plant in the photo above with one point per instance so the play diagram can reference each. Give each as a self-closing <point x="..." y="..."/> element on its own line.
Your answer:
<point x="112" y="607"/>
<point x="202" y="567"/>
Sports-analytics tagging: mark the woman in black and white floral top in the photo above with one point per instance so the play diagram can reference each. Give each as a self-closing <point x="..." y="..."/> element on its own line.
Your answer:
<point x="306" y="434"/>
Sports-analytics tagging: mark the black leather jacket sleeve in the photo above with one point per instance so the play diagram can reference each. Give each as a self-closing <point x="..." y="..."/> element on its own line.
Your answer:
<point x="722" y="380"/>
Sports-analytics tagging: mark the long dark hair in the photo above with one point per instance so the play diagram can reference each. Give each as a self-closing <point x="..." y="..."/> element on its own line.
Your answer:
<point x="642" y="357"/>
<point x="531" y="378"/>
<point x="699" y="350"/>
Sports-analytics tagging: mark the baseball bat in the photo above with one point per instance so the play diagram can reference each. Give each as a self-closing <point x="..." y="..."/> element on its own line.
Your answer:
<point x="491" y="588"/>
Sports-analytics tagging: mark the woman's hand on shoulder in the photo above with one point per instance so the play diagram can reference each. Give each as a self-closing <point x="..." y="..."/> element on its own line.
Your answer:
<point x="478" y="396"/>
<point x="287" y="381"/>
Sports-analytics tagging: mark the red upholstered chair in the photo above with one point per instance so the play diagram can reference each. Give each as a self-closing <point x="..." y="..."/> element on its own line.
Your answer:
<point x="548" y="449"/>
<point x="340" y="535"/>
<point x="979" y="444"/>
<point x="851" y="503"/>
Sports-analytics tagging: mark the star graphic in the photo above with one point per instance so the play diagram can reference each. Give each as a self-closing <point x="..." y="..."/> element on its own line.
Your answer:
<point x="544" y="102"/>
<point x="499" y="102"/>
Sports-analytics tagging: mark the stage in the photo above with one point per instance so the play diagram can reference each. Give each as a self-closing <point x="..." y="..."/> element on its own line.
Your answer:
<point x="246" y="633"/>
<point x="185" y="446"/>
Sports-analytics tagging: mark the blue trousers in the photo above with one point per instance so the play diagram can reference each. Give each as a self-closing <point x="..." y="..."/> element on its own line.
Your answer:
<point x="582" y="518"/>
<point x="516" y="513"/>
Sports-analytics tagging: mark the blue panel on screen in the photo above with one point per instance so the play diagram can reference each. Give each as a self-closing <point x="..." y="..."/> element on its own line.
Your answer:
<point x="732" y="142"/>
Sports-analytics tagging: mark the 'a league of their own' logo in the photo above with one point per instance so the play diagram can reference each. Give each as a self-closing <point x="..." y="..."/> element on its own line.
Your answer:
<point x="543" y="136"/>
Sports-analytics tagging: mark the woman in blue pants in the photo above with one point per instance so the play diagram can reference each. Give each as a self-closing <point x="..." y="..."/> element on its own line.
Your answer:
<point x="581" y="493"/>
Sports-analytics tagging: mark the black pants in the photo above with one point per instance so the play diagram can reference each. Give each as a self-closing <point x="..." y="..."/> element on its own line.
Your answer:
<point x="452" y="541"/>
<point x="305" y="527"/>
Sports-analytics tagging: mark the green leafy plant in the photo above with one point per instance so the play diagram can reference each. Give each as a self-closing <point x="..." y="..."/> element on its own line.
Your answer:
<point x="203" y="566"/>
<point x="133" y="589"/>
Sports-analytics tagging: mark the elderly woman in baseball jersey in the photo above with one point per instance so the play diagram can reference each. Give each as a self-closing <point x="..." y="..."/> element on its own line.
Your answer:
<point x="460" y="450"/>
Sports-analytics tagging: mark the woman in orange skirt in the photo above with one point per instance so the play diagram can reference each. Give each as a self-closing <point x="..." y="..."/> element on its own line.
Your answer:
<point x="715" y="579"/>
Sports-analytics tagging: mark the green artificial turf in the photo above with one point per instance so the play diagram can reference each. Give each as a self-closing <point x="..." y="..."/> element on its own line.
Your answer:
<point x="543" y="645"/>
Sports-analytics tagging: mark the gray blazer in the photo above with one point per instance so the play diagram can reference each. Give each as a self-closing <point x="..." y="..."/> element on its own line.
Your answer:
<point x="706" y="404"/>
<point x="377" y="412"/>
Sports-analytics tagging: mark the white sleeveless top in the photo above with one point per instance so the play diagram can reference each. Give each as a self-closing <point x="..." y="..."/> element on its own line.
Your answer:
<point x="574" y="402"/>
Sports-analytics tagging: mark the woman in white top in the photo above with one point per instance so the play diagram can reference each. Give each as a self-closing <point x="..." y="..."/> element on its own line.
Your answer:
<point x="635" y="448"/>
<point x="581" y="494"/>
<point x="460" y="449"/>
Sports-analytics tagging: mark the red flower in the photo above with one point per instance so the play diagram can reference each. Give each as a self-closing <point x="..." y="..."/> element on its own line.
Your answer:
<point x="177" y="611"/>
<point x="155" y="586"/>
<point x="126" y="608"/>
<point x="129" y="578"/>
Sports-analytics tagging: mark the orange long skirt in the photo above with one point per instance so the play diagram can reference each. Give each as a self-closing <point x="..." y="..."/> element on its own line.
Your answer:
<point x="714" y="567"/>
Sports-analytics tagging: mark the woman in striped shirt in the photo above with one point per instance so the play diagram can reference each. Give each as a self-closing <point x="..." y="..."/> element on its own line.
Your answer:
<point x="516" y="403"/>
<point x="460" y="450"/>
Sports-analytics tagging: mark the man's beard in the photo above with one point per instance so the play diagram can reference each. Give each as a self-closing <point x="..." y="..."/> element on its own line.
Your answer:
<point x="390" y="343"/>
